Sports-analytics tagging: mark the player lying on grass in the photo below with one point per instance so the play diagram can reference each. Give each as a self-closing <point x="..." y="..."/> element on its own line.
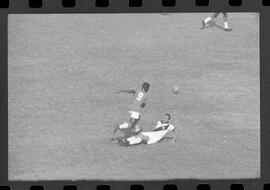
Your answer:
<point x="162" y="128"/>
<point x="132" y="128"/>
<point x="212" y="18"/>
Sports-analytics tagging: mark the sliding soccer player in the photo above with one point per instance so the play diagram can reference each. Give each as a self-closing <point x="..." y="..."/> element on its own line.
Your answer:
<point x="162" y="128"/>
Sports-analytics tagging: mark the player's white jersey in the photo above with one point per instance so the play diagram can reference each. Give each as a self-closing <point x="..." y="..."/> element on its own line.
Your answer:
<point x="156" y="136"/>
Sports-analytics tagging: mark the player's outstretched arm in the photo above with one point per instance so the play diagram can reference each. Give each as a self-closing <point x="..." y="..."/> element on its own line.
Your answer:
<point x="126" y="91"/>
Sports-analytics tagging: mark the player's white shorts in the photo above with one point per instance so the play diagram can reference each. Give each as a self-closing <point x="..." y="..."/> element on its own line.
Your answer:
<point x="134" y="115"/>
<point x="154" y="137"/>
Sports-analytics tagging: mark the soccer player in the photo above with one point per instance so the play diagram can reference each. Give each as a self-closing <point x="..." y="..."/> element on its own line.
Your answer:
<point x="215" y="15"/>
<point x="139" y="102"/>
<point x="162" y="128"/>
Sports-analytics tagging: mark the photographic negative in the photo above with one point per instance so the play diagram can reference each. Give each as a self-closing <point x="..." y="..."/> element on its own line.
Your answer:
<point x="133" y="96"/>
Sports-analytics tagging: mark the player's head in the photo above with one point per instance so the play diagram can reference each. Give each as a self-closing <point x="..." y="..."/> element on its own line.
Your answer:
<point x="166" y="117"/>
<point x="145" y="86"/>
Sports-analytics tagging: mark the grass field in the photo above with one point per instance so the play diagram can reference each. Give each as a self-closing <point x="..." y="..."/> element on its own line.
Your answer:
<point x="64" y="70"/>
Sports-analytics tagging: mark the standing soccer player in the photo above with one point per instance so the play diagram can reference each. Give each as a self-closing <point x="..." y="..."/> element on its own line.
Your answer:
<point x="132" y="128"/>
<point x="214" y="16"/>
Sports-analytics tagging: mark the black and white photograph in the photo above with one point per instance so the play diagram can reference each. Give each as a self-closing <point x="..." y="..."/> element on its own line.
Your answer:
<point x="137" y="96"/>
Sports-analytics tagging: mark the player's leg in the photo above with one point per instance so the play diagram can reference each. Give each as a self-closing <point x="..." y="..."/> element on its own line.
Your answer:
<point x="144" y="138"/>
<point x="134" y="119"/>
<point x="225" y="20"/>
<point x="133" y="122"/>
<point x="215" y="15"/>
<point x="131" y="128"/>
<point x="116" y="128"/>
<point x="137" y="129"/>
<point x="121" y="141"/>
<point x="133" y="140"/>
<point x="208" y="19"/>
<point x="127" y="132"/>
<point x="121" y="126"/>
<point x="127" y="129"/>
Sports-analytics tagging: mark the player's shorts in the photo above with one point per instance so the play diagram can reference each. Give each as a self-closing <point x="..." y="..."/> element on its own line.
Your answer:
<point x="154" y="137"/>
<point x="134" y="115"/>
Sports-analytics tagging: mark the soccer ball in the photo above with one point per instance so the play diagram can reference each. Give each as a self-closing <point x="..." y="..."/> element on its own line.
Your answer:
<point x="175" y="89"/>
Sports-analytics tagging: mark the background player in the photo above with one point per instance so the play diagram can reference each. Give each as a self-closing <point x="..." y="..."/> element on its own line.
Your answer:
<point x="212" y="17"/>
<point x="138" y="104"/>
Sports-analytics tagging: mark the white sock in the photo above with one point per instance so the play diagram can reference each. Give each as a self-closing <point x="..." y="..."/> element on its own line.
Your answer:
<point x="207" y="19"/>
<point x="134" y="140"/>
<point x="226" y="25"/>
<point x="124" y="125"/>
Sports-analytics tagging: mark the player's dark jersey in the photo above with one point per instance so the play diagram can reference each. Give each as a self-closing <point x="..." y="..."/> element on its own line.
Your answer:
<point x="139" y="101"/>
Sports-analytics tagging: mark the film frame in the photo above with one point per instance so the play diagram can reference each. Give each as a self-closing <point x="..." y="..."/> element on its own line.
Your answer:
<point x="125" y="6"/>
